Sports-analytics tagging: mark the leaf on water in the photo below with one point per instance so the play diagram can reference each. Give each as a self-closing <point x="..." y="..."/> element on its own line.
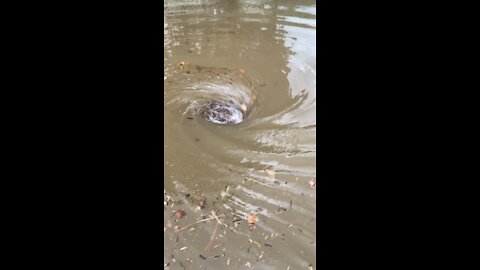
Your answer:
<point x="252" y="219"/>
<point x="180" y="213"/>
<point x="244" y="107"/>
<point x="203" y="202"/>
<point x="270" y="173"/>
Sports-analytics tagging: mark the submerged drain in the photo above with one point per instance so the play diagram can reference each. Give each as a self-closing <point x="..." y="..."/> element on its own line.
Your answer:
<point x="222" y="113"/>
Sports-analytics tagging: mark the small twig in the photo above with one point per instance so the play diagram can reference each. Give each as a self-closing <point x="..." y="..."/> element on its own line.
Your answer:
<point x="207" y="247"/>
<point x="196" y="222"/>
<point x="257" y="182"/>
<point x="214" y="231"/>
<point x="216" y="217"/>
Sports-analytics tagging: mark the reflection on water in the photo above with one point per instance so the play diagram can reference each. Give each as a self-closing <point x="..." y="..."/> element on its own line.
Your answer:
<point x="263" y="167"/>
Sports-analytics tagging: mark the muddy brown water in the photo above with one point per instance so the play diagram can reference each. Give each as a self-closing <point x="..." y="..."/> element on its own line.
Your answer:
<point x="259" y="57"/>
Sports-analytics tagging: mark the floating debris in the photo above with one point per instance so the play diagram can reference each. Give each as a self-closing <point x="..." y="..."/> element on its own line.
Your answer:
<point x="180" y="213"/>
<point x="252" y="219"/>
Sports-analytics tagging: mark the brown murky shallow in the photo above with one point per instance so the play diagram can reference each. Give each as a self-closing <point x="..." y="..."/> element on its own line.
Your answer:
<point x="240" y="196"/>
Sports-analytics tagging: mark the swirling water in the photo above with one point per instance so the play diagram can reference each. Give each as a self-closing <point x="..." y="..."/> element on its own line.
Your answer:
<point x="259" y="57"/>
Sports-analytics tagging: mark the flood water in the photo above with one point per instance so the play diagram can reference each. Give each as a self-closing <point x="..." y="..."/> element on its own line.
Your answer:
<point x="240" y="195"/>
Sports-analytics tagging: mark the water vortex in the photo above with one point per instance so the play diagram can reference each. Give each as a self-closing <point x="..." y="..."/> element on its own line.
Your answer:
<point x="218" y="95"/>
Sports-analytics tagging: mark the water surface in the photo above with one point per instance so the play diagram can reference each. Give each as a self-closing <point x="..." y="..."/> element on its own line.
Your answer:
<point x="261" y="55"/>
